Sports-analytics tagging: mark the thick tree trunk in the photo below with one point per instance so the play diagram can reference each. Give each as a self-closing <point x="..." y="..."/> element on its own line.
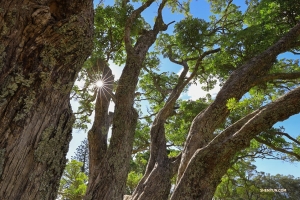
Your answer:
<point x="42" y="47"/>
<point x="114" y="165"/>
<point x="156" y="182"/>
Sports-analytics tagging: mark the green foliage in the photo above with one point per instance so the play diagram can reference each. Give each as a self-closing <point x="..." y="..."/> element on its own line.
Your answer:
<point x="132" y="181"/>
<point x="109" y="31"/>
<point x="178" y="125"/>
<point x="73" y="182"/>
<point x="192" y="33"/>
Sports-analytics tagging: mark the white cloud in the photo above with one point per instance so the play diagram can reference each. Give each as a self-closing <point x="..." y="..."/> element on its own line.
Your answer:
<point x="117" y="72"/>
<point x="195" y="91"/>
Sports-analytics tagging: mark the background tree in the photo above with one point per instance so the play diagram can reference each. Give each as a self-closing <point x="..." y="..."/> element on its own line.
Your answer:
<point x="82" y="155"/>
<point x="73" y="182"/>
<point x="43" y="45"/>
<point x="239" y="49"/>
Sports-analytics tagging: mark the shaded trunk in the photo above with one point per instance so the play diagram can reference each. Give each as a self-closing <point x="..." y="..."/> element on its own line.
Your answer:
<point x="114" y="167"/>
<point x="97" y="135"/>
<point x="42" y="47"/>
<point x="114" y="164"/>
<point x="156" y="182"/>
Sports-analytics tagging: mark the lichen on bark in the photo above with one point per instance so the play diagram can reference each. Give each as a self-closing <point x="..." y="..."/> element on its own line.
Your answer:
<point x="2" y="152"/>
<point x="40" y="56"/>
<point x="49" y="148"/>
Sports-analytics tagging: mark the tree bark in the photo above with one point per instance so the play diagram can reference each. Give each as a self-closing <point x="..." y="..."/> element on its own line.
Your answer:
<point x="42" y="48"/>
<point x="97" y="135"/>
<point x="114" y="166"/>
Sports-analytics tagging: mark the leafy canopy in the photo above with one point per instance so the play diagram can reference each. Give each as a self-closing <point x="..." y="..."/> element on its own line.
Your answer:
<point x="233" y="36"/>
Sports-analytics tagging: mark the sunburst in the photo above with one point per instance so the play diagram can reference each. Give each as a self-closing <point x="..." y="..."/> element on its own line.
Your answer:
<point x="99" y="84"/>
<point x="102" y="83"/>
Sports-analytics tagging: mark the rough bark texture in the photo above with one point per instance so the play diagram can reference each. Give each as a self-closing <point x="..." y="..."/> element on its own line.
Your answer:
<point x="113" y="169"/>
<point x="156" y="182"/>
<point x="43" y="45"/>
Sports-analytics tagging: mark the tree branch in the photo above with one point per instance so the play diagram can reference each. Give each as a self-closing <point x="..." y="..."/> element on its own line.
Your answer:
<point x="277" y="76"/>
<point x="288" y="136"/>
<point x="277" y="148"/>
<point x="224" y="147"/>
<point x="130" y="21"/>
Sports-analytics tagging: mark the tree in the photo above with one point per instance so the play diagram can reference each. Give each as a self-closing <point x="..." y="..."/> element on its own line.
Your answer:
<point x="43" y="45"/>
<point x="73" y="181"/>
<point x="239" y="49"/>
<point x="82" y="155"/>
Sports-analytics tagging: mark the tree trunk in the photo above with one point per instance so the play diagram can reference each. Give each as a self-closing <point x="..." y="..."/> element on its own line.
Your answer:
<point x="113" y="169"/>
<point x="114" y="165"/>
<point x="156" y="182"/>
<point x="97" y="135"/>
<point x="42" y="47"/>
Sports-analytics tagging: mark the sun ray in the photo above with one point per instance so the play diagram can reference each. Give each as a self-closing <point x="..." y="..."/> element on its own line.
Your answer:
<point x="102" y="83"/>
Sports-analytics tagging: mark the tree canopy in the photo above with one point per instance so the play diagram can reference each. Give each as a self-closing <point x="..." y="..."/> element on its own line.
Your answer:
<point x="169" y="144"/>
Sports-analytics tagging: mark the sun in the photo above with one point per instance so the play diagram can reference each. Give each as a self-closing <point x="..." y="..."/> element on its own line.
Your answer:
<point x="99" y="83"/>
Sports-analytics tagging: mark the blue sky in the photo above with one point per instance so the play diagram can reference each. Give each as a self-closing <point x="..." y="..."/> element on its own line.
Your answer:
<point x="200" y="9"/>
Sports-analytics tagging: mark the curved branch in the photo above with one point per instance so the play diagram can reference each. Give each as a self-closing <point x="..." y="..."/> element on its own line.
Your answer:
<point x="288" y="136"/>
<point x="130" y="21"/>
<point x="220" y="151"/>
<point x="198" y="63"/>
<point x="277" y="148"/>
